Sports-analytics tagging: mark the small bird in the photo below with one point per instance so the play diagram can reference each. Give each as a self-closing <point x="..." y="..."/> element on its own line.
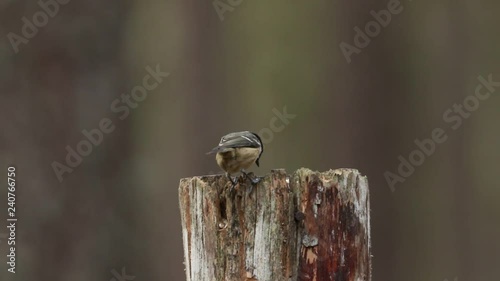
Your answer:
<point x="237" y="151"/>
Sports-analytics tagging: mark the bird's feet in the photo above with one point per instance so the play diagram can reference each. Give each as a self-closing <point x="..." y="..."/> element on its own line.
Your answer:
<point x="253" y="179"/>
<point x="234" y="181"/>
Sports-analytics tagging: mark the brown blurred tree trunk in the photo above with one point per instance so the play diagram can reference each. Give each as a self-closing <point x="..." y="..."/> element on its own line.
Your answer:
<point x="59" y="83"/>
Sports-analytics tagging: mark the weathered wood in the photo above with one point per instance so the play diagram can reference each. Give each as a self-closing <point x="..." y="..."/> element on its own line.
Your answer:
<point x="307" y="226"/>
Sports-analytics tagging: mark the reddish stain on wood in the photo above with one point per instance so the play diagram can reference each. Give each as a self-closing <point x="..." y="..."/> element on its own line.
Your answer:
<point x="333" y="222"/>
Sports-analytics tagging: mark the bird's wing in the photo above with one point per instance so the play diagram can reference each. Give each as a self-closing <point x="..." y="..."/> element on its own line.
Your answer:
<point x="234" y="140"/>
<point x="240" y="139"/>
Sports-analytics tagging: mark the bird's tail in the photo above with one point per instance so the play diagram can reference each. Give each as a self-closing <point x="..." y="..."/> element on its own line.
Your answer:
<point x="214" y="150"/>
<point x="218" y="149"/>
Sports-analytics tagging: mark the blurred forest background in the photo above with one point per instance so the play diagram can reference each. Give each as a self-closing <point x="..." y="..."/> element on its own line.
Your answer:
<point x="232" y="67"/>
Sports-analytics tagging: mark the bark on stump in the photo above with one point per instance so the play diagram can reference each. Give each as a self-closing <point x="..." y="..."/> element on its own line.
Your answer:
<point x="304" y="226"/>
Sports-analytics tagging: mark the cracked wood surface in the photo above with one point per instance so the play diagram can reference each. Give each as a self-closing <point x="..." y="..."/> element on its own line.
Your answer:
<point x="304" y="226"/>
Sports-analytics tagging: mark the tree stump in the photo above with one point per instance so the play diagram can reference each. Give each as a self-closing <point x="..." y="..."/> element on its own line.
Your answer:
<point x="304" y="226"/>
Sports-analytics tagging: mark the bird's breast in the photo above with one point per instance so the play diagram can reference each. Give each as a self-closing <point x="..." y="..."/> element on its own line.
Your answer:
<point x="234" y="160"/>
